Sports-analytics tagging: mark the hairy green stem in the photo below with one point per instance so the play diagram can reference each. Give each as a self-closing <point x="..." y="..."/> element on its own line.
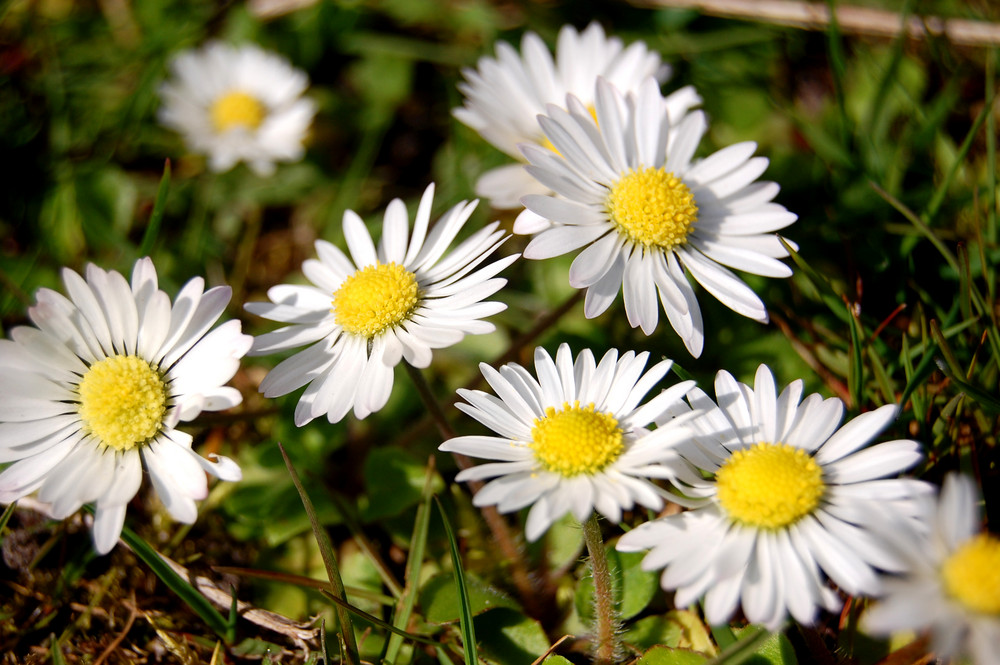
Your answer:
<point x="606" y="622"/>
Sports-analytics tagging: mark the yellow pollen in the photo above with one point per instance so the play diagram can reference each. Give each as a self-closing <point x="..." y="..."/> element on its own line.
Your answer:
<point x="546" y="143"/>
<point x="653" y="208"/>
<point x="972" y="574"/>
<point x="375" y="298"/>
<point x="122" y="401"/>
<point x="576" y="440"/>
<point x="769" y="485"/>
<point x="237" y="109"/>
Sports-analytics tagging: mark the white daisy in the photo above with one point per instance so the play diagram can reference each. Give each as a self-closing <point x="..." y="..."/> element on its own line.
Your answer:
<point x="629" y="191"/>
<point x="573" y="440"/>
<point x="952" y="585"/>
<point x="238" y="103"/>
<point x="504" y="95"/>
<point x="366" y="313"/>
<point x="93" y="395"/>
<point x="780" y="496"/>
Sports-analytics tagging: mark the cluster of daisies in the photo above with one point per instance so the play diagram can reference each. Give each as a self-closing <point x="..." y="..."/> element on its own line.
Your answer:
<point x="782" y="500"/>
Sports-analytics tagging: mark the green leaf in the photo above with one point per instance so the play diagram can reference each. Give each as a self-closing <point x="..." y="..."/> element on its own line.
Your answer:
<point x="395" y="482"/>
<point x="676" y="628"/>
<point x="633" y="587"/>
<point x="440" y="602"/>
<point x="751" y="639"/>
<point x="465" y="616"/>
<point x="662" y="655"/>
<point x="507" y="636"/>
<point x="775" y="650"/>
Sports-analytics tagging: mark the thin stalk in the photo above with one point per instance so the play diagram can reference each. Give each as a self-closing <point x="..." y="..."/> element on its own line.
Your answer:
<point x="528" y="590"/>
<point x="606" y="647"/>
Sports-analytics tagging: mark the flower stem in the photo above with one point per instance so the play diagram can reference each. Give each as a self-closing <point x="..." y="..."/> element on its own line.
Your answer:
<point x="605" y="616"/>
<point x="533" y="598"/>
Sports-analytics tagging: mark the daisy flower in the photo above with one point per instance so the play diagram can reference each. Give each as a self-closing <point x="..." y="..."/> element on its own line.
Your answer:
<point x="93" y="394"/>
<point x="237" y="103"/>
<point x="781" y="496"/>
<point x="364" y="313"/>
<point x="629" y="191"/>
<point x="575" y="439"/>
<point x="952" y="584"/>
<point x="504" y="95"/>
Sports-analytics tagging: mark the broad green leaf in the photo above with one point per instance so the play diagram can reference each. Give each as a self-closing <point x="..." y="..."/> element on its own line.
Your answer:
<point x="676" y="628"/>
<point x="439" y="600"/>
<point x="507" y="636"/>
<point x="395" y="482"/>
<point x="633" y="587"/>
<point x="775" y="650"/>
<point x="662" y="655"/>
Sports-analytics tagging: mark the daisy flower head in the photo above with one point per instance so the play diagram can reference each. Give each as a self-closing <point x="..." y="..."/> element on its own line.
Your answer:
<point x="781" y="496"/>
<point x="363" y="314"/>
<point x="573" y="440"/>
<point x="92" y="395"/>
<point x="630" y="193"/>
<point x="505" y="94"/>
<point x="237" y="103"/>
<point x="952" y="582"/>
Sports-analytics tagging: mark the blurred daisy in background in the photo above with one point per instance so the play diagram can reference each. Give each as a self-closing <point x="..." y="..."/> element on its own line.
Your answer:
<point x="630" y="193"/>
<point x="952" y="583"/>
<point x="92" y="395"/>
<point x="363" y="314"/>
<point x="504" y="95"/>
<point x="574" y="440"/>
<point x="780" y="497"/>
<point x="237" y="103"/>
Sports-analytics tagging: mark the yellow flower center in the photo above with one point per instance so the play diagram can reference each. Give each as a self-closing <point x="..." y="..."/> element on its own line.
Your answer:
<point x="769" y="485"/>
<point x="237" y="109"/>
<point x="375" y="298"/>
<point x="653" y="208"/>
<point x="122" y="401"/>
<point x="972" y="574"/>
<point x="576" y="440"/>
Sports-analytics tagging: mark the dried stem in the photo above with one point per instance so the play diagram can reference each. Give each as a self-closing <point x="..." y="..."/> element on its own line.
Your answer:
<point x="850" y="19"/>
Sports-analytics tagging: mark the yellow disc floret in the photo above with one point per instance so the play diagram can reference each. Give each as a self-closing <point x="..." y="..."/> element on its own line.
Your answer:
<point x="653" y="208"/>
<point x="972" y="574"/>
<point x="375" y="298"/>
<point x="122" y="401"/>
<point x="237" y="109"/>
<point x="769" y="485"/>
<point x="576" y="440"/>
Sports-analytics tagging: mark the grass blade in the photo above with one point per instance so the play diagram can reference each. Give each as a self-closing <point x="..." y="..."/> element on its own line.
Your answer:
<point x="180" y="586"/>
<point x="8" y="511"/>
<point x="468" y="629"/>
<point x="156" y="218"/>
<point x="346" y="627"/>
<point x="855" y="366"/>
<point x="357" y="611"/>
<point x="414" y="564"/>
